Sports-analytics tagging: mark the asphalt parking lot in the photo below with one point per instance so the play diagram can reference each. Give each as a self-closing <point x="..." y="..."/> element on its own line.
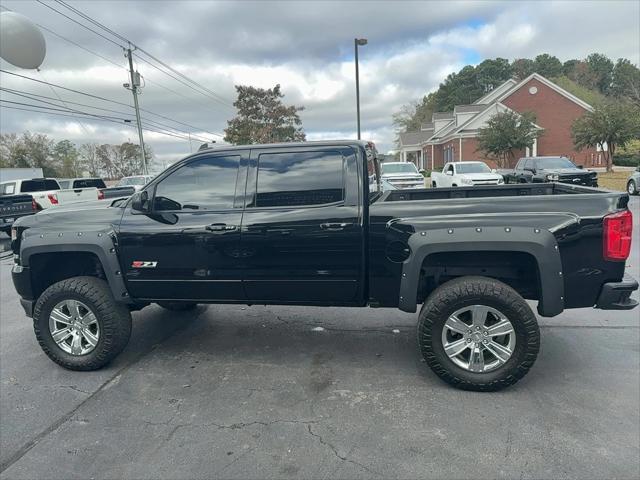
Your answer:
<point x="262" y="392"/>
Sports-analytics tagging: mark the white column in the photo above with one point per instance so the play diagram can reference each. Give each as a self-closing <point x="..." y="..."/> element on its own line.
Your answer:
<point x="460" y="149"/>
<point x="433" y="160"/>
<point x="535" y="147"/>
<point x="403" y="156"/>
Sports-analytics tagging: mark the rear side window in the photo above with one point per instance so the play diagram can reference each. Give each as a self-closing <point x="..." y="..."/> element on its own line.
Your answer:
<point x="299" y="178"/>
<point x="88" y="183"/>
<point x="39" y="185"/>
<point x="8" y="189"/>
<point x="205" y="184"/>
<point x="64" y="183"/>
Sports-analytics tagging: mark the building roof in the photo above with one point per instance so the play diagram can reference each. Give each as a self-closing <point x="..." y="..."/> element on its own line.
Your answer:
<point x="442" y="115"/>
<point x="468" y="108"/>
<point x="414" y="138"/>
<point x="427" y="126"/>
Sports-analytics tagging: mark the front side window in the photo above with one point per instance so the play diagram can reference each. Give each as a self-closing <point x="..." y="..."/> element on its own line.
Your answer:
<point x="299" y="178"/>
<point x="205" y="184"/>
<point x="450" y="169"/>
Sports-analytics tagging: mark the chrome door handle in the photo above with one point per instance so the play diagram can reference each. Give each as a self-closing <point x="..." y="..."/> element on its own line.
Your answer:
<point x="220" y="227"/>
<point x="335" y="226"/>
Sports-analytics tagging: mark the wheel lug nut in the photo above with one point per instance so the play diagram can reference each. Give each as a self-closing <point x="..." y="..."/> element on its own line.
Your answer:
<point x="468" y="340"/>
<point x="478" y="328"/>
<point x="485" y="341"/>
<point x="485" y="333"/>
<point x="470" y="331"/>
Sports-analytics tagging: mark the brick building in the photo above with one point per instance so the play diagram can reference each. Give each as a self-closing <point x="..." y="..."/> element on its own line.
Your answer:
<point x="452" y="136"/>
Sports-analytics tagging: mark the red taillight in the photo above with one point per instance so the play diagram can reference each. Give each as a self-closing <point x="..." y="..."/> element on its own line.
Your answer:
<point x="34" y="204"/>
<point x="53" y="198"/>
<point x="616" y="239"/>
<point x="100" y="195"/>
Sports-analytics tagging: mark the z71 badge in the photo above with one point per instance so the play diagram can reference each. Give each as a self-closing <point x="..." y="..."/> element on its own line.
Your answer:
<point x="141" y="264"/>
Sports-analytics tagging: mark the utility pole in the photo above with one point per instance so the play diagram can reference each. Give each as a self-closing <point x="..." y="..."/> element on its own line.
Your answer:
<point x="135" y="83"/>
<point x="358" y="42"/>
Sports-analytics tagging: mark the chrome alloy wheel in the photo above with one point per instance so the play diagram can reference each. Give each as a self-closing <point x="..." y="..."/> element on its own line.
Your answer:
<point x="478" y="338"/>
<point x="74" y="327"/>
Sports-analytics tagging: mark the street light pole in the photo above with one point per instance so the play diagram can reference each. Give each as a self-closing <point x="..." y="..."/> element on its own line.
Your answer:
<point x="358" y="42"/>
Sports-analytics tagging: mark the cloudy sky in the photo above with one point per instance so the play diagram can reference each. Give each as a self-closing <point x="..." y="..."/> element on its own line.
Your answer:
<point x="307" y="47"/>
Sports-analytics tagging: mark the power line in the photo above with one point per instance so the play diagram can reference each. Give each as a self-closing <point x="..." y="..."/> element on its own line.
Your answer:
<point x="109" y="100"/>
<point x="204" y="90"/>
<point x="37" y="97"/>
<point x="79" y="23"/>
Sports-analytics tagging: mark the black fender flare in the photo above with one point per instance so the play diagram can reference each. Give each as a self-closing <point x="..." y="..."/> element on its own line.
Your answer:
<point x="539" y="243"/>
<point x="101" y="243"/>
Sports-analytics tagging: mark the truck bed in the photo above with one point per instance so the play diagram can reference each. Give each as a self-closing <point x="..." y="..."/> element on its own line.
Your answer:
<point x="524" y="189"/>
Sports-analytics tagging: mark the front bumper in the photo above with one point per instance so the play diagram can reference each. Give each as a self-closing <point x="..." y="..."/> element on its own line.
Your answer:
<point x="617" y="295"/>
<point x="21" y="277"/>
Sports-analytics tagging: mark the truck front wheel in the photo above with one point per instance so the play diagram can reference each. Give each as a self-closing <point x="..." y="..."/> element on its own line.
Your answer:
<point x="478" y="333"/>
<point x="79" y="325"/>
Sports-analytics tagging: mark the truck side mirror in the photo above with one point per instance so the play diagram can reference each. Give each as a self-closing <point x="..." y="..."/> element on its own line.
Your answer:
<point x="448" y="172"/>
<point x="581" y="167"/>
<point x="140" y="202"/>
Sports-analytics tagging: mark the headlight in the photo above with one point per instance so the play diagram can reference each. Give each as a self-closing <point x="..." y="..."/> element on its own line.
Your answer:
<point x="552" y="177"/>
<point x="466" y="181"/>
<point x="500" y="181"/>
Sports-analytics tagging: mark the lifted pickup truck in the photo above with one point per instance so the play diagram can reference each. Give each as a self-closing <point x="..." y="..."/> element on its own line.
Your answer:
<point x="13" y="207"/>
<point x="308" y="224"/>
<point x="549" y="169"/>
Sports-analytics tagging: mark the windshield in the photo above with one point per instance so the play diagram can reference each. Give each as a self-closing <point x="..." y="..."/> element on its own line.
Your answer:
<point x="548" y="163"/>
<point x="399" y="168"/>
<point x="473" y="168"/>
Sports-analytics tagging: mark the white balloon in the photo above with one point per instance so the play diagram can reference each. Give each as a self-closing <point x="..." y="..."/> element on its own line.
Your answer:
<point x="21" y="41"/>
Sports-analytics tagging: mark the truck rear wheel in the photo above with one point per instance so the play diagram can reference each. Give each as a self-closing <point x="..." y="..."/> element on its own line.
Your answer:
<point x="79" y="325"/>
<point x="478" y="333"/>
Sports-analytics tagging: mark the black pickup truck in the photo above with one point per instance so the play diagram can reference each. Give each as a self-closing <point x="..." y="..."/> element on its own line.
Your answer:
<point x="549" y="169"/>
<point x="308" y="224"/>
<point x="13" y="207"/>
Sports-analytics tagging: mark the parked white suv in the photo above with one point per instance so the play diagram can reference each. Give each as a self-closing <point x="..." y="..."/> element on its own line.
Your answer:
<point x="402" y="175"/>
<point x="47" y="193"/>
<point x="465" y="174"/>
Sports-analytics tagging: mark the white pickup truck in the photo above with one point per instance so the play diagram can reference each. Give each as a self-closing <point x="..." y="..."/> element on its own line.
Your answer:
<point x="46" y="192"/>
<point x="465" y="174"/>
<point x="402" y="175"/>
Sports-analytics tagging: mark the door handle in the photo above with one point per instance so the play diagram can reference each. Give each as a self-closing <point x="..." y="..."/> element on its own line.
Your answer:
<point x="220" y="227"/>
<point x="334" y="227"/>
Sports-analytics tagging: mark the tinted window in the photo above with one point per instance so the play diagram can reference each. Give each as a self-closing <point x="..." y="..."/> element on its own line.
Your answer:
<point x="559" y="162"/>
<point x="520" y="164"/>
<point x="89" y="182"/>
<point x="39" y="185"/>
<point x="299" y="178"/>
<point x="528" y="163"/>
<point x="206" y="184"/>
<point x="450" y="168"/>
<point x="8" y="189"/>
<point x="473" y="168"/>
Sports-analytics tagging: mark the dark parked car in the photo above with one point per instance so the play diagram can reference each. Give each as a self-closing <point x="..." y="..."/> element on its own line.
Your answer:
<point x="549" y="169"/>
<point x="13" y="207"/>
<point x="309" y="224"/>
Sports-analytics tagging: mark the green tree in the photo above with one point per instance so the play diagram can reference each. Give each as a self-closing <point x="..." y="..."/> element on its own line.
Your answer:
<point x="66" y="156"/>
<point x="263" y="118"/>
<point x="506" y="133"/>
<point x="625" y="81"/>
<point x="607" y="127"/>
<point x="592" y="97"/>
<point x="601" y="68"/>
<point x="548" y="66"/>
<point x="522" y="68"/>
<point x="491" y="73"/>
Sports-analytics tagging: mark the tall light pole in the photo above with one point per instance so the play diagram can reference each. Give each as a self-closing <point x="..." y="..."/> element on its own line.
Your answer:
<point x="135" y="84"/>
<point x="358" y="42"/>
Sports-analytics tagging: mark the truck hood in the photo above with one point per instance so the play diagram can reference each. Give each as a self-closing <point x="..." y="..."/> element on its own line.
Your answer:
<point x="565" y="171"/>
<point x="77" y="217"/>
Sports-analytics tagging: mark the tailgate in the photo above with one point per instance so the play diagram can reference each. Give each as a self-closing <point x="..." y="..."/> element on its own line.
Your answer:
<point x="15" y="205"/>
<point x="72" y="195"/>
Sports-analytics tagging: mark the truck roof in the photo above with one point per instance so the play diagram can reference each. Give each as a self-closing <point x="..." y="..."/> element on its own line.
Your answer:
<point x="317" y="143"/>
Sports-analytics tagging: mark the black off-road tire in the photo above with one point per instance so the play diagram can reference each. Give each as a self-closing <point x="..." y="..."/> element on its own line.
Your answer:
<point x="113" y="318"/>
<point x="178" y="306"/>
<point x="465" y="291"/>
